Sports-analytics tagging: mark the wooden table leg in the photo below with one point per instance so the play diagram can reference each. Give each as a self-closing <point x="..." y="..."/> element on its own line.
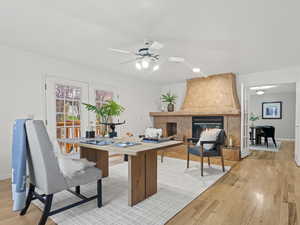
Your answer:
<point x="142" y="176"/>
<point x="97" y="156"/>
<point x="151" y="173"/>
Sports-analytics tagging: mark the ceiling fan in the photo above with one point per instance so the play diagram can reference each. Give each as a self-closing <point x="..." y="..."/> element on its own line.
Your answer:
<point x="148" y="55"/>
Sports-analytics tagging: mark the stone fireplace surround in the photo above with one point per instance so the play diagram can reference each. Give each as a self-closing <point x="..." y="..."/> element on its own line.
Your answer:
<point x="206" y="96"/>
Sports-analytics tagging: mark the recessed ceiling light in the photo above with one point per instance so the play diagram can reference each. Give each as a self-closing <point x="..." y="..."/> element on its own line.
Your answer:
<point x="260" y="92"/>
<point x="138" y="65"/>
<point x="156" y="67"/>
<point x="196" y="70"/>
<point x="263" y="87"/>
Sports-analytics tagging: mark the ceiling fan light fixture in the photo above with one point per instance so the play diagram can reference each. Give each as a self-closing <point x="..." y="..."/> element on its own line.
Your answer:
<point x="138" y="65"/>
<point x="196" y="70"/>
<point x="145" y="64"/>
<point x="156" y="67"/>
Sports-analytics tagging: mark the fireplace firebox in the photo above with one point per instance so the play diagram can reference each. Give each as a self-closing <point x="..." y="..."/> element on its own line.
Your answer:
<point x="201" y="123"/>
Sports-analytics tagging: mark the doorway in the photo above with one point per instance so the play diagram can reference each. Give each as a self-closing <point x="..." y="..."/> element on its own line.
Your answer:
<point x="271" y="116"/>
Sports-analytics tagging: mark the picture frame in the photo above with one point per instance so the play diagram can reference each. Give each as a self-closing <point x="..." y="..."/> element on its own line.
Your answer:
<point x="272" y="110"/>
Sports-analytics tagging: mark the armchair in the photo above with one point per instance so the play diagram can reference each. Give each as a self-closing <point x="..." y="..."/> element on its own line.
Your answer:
<point x="45" y="174"/>
<point x="214" y="151"/>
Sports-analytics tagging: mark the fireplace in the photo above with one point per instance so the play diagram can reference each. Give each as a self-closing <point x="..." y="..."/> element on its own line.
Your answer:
<point x="201" y="123"/>
<point x="171" y="129"/>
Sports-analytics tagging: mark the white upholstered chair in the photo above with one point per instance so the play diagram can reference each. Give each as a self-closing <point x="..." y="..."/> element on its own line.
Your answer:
<point x="46" y="176"/>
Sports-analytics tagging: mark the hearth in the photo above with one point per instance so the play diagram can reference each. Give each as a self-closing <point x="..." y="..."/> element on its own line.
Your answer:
<point x="201" y="123"/>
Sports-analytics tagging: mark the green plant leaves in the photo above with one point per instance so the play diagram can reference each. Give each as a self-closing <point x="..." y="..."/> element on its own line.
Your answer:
<point x="168" y="98"/>
<point x="109" y="109"/>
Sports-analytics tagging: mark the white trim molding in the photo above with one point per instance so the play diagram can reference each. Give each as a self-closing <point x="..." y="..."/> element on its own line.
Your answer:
<point x="285" y="139"/>
<point x="5" y="176"/>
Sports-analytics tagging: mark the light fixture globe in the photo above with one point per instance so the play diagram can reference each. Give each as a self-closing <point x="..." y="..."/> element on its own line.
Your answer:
<point x="145" y="64"/>
<point x="138" y="65"/>
<point x="156" y="67"/>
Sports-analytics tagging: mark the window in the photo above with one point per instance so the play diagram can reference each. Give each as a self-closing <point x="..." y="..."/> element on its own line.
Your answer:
<point x="68" y="110"/>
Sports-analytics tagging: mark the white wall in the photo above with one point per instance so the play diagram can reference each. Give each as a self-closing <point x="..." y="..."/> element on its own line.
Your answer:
<point x="21" y="93"/>
<point x="179" y="90"/>
<point x="285" y="127"/>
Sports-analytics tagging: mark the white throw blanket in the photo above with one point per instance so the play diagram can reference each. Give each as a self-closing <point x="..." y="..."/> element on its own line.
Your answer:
<point x="68" y="166"/>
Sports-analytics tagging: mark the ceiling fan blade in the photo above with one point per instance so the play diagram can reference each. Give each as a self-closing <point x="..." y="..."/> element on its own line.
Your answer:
<point x="128" y="61"/>
<point x="176" y="59"/>
<point x="156" y="45"/>
<point x="120" y="51"/>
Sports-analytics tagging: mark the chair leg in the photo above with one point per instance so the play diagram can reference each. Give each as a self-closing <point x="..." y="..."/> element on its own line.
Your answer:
<point x="77" y="189"/>
<point x="202" y="166"/>
<point x="99" y="193"/>
<point x="274" y="142"/>
<point x="47" y="208"/>
<point x="162" y="156"/>
<point x="208" y="159"/>
<point x="188" y="160"/>
<point x="29" y="199"/>
<point x="266" y="142"/>
<point x="222" y="160"/>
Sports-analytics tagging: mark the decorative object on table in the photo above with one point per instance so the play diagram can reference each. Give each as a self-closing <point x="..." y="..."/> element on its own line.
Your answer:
<point x="230" y="141"/>
<point x="272" y="110"/>
<point x="105" y="113"/>
<point x="153" y="132"/>
<point x="106" y="141"/>
<point x="126" y="144"/>
<point x="157" y="140"/>
<point x="90" y="133"/>
<point x="129" y="134"/>
<point x="170" y="99"/>
<point x="253" y="117"/>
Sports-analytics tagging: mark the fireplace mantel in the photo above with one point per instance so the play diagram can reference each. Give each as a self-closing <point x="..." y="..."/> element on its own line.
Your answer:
<point x="183" y="113"/>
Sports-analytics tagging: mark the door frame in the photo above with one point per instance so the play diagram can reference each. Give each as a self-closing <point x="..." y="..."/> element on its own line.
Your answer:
<point x="244" y="128"/>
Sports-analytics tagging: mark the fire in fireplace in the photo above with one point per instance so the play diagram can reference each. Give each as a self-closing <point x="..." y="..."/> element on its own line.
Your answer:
<point x="201" y="123"/>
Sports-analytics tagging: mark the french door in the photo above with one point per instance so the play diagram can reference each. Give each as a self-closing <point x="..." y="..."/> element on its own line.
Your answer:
<point x="66" y="117"/>
<point x="244" y="121"/>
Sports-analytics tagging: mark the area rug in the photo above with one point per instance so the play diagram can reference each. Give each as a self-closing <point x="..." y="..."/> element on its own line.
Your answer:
<point x="177" y="186"/>
<point x="263" y="147"/>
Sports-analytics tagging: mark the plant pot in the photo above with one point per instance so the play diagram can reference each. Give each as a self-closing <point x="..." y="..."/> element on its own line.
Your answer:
<point x="170" y="107"/>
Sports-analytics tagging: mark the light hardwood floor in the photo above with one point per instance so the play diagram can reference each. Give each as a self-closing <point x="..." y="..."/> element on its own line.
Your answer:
<point x="263" y="189"/>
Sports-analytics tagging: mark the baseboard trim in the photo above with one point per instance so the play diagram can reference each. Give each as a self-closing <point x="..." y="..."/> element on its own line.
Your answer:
<point x="5" y="176"/>
<point x="285" y="139"/>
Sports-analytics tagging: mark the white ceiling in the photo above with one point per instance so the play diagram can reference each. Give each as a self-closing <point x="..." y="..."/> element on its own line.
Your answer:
<point x="217" y="36"/>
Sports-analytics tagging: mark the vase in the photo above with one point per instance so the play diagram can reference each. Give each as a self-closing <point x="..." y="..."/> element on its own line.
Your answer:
<point x="170" y="107"/>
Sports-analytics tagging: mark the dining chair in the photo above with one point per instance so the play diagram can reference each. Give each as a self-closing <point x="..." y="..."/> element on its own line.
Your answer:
<point x="215" y="150"/>
<point x="269" y="132"/>
<point x="45" y="175"/>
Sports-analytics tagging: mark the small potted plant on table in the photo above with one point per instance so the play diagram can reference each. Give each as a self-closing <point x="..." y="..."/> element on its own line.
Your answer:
<point x="253" y="117"/>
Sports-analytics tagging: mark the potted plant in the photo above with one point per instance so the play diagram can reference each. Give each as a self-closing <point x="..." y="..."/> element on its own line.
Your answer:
<point x="170" y="99"/>
<point x="253" y="117"/>
<point x="105" y="112"/>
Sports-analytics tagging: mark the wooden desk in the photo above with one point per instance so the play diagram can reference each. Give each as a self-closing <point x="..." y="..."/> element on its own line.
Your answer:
<point x="142" y="165"/>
